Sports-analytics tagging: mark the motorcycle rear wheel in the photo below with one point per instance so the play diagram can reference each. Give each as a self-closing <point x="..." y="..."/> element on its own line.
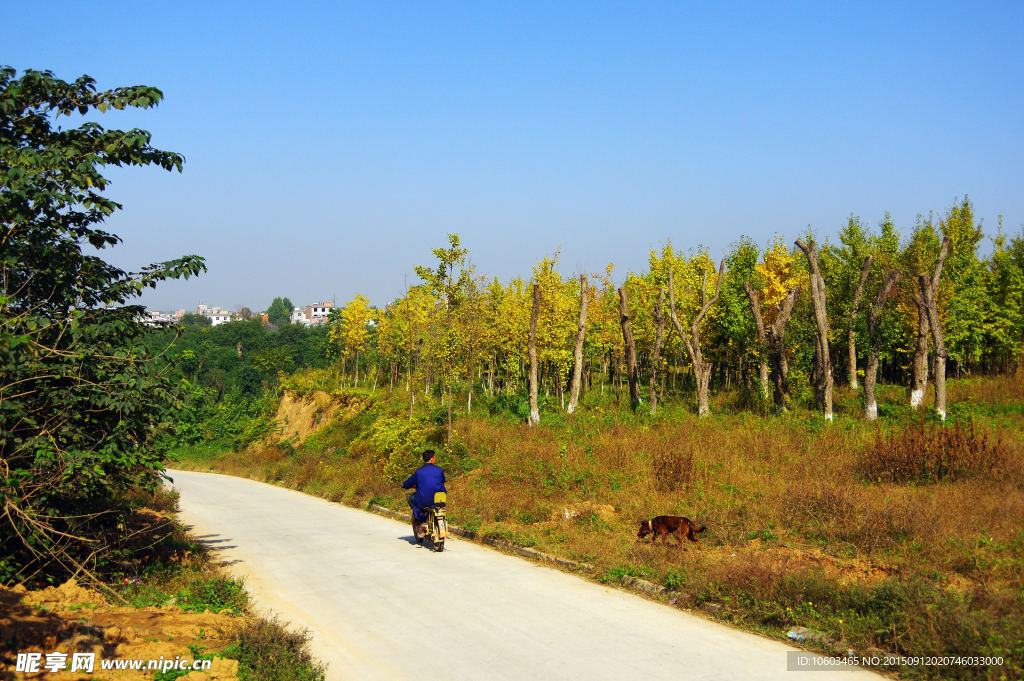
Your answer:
<point x="439" y="545"/>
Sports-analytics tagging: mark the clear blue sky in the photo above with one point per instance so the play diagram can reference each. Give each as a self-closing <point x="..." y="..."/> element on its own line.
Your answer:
<point x="329" y="146"/>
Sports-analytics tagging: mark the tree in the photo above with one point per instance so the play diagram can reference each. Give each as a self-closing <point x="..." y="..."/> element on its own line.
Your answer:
<point x="577" y="351"/>
<point x="1005" y="337"/>
<point x="280" y="312"/>
<point x="963" y="299"/>
<point x="919" y="254"/>
<point x="851" y="332"/>
<point x="193" y="319"/>
<point x="630" y="344"/>
<point x="81" y="396"/>
<point x="532" y="349"/>
<point x="823" y="361"/>
<point x="779" y="291"/>
<point x="889" y="280"/>
<point x="245" y="313"/>
<point x="450" y="288"/>
<point x="701" y="367"/>
<point x="928" y="300"/>
<point x="844" y="274"/>
<point x="773" y="338"/>
<point x="659" y="317"/>
<point x="353" y="332"/>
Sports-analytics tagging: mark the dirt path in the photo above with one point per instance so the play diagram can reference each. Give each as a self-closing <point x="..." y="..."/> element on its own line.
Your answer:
<point x="381" y="607"/>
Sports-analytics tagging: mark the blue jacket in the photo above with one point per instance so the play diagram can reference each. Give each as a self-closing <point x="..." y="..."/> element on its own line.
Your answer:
<point x="427" y="479"/>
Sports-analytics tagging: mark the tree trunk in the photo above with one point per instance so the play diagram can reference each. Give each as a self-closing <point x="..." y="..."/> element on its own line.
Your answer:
<point x="357" y="369"/>
<point x="577" y="350"/>
<point x="630" y="344"/>
<point x="889" y="280"/>
<point x="852" y="331"/>
<point x="929" y="297"/>
<point x="762" y="355"/>
<point x="701" y="369"/>
<point x="532" y="348"/>
<point x="659" y="316"/>
<point x="919" y="367"/>
<point x="777" y="347"/>
<point x="823" y="361"/>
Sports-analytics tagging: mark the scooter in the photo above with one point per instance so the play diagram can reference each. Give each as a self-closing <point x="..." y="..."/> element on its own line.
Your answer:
<point x="433" y="527"/>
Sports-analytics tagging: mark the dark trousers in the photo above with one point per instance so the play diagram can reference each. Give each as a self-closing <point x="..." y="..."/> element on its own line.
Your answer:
<point x="417" y="513"/>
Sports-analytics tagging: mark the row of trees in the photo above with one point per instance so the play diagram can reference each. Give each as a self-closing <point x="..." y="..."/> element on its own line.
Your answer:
<point x="773" y="320"/>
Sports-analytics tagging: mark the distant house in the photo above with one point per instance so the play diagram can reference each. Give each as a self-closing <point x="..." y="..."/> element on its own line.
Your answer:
<point x="317" y="313"/>
<point x="216" y="315"/>
<point x="298" y="316"/>
<point x="217" y="319"/>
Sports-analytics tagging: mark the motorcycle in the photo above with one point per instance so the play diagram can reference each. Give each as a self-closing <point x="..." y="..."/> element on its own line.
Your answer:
<point x="433" y="527"/>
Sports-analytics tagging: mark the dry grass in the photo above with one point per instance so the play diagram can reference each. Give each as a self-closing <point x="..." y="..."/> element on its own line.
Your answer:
<point x="926" y="454"/>
<point x="911" y="568"/>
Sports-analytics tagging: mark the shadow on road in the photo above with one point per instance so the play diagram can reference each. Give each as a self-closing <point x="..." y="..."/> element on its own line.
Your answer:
<point x="215" y="545"/>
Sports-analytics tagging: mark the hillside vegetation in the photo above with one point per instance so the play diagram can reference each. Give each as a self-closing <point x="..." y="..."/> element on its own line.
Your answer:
<point x="901" y="535"/>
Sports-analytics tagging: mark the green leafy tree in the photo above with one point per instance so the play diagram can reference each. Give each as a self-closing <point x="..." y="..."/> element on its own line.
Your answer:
<point x="448" y="282"/>
<point x="966" y="306"/>
<point x="193" y="319"/>
<point x="280" y="312"/>
<point x="1005" y="331"/>
<point x="81" y="396"/>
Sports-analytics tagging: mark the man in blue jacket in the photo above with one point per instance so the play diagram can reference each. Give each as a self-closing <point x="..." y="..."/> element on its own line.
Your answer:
<point x="428" y="479"/>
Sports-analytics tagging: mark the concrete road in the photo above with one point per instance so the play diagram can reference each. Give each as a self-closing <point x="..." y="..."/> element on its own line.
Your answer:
<point x="381" y="607"/>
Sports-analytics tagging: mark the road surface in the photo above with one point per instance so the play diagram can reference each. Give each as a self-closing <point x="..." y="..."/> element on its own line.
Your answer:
<point x="381" y="607"/>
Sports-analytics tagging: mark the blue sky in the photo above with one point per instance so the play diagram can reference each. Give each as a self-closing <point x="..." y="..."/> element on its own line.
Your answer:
<point x="329" y="148"/>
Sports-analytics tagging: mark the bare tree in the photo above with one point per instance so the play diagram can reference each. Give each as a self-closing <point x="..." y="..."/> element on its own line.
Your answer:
<point x="773" y="338"/>
<point x="532" y="348"/>
<point x="929" y="300"/>
<point x="851" y="333"/>
<point x="701" y="369"/>
<point x="889" y="280"/>
<point x="823" y="361"/>
<point x="577" y="350"/>
<point x="627" y="338"/>
<point x="659" y="317"/>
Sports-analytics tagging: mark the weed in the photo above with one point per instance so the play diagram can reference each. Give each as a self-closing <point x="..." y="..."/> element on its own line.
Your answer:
<point x="926" y="454"/>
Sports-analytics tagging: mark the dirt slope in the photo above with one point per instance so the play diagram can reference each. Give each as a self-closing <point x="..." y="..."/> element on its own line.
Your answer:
<point x="70" y="619"/>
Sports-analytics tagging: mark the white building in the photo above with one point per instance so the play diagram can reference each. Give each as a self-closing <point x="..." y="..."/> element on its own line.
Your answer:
<point x="298" y="316"/>
<point x="317" y="313"/>
<point x="216" y="315"/>
<point x="217" y="319"/>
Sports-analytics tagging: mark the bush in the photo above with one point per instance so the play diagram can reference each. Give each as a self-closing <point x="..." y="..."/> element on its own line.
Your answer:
<point x="927" y="454"/>
<point x="267" y="651"/>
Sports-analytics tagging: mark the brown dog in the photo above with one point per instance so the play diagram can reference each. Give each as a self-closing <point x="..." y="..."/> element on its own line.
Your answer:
<point x="664" y="525"/>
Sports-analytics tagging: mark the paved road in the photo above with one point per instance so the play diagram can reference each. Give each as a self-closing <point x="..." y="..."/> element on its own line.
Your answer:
<point x="381" y="607"/>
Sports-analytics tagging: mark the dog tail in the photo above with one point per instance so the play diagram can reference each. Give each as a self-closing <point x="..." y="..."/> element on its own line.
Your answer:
<point x="698" y="530"/>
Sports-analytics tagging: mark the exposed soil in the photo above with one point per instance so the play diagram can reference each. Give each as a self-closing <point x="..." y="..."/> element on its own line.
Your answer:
<point x="70" y="619"/>
<point x="299" y="417"/>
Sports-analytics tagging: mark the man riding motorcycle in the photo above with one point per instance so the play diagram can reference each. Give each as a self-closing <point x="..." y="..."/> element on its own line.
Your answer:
<point x="427" y="480"/>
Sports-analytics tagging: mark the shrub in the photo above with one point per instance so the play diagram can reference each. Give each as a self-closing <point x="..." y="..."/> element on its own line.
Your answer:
<point x="267" y="651"/>
<point x="932" y="453"/>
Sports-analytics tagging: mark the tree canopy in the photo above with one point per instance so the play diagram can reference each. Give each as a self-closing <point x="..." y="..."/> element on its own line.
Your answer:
<point x="80" y="394"/>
